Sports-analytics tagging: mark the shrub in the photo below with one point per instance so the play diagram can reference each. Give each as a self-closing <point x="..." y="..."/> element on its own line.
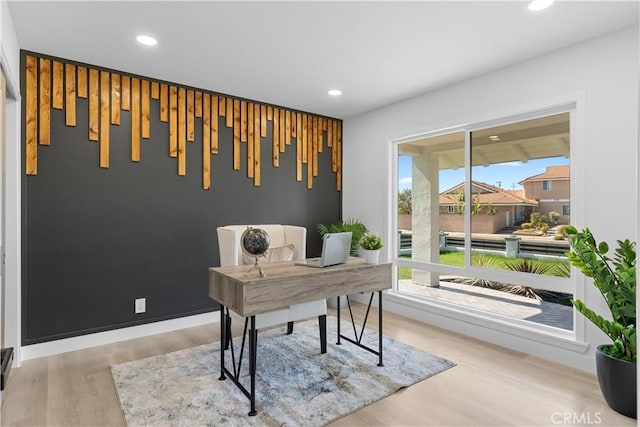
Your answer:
<point x="538" y="220"/>
<point x="558" y="237"/>
<point x="526" y="225"/>
<point x="544" y="228"/>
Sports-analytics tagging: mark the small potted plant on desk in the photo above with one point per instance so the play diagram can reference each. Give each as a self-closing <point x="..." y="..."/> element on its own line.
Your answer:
<point x="616" y="280"/>
<point x="371" y="244"/>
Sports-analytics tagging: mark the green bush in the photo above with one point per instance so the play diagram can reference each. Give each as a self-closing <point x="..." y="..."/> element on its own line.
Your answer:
<point x="526" y="225"/>
<point x="538" y="221"/>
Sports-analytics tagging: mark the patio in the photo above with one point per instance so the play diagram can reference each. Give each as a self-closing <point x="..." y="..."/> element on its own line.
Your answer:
<point x="498" y="302"/>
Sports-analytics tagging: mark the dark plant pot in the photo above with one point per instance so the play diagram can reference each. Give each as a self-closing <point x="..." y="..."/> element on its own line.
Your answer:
<point x="617" y="380"/>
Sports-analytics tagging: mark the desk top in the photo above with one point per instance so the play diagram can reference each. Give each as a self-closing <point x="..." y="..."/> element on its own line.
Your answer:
<point x="287" y="284"/>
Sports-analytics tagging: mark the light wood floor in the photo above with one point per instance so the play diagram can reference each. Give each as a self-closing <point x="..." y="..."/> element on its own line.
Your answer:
<point x="491" y="386"/>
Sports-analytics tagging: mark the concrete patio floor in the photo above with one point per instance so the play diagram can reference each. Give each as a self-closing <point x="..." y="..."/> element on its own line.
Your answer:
<point x="498" y="302"/>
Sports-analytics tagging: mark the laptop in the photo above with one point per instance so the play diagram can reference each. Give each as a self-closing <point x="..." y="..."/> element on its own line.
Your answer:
<point x="335" y="250"/>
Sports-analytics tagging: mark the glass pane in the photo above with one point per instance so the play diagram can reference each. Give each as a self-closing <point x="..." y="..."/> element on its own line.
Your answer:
<point x="518" y="302"/>
<point x="520" y="195"/>
<point x="427" y="168"/>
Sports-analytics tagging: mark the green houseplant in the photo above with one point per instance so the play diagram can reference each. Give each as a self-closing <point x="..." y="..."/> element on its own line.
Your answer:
<point x="356" y="227"/>
<point x="615" y="278"/>
<point x="371" y="243"/>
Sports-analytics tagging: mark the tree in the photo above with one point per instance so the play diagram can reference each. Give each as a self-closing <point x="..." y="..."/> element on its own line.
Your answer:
<point x="404" y="202"/>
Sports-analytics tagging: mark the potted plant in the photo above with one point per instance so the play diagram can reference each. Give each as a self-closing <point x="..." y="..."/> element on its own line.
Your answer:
<point x="371" y="244"/>
<point x="356" y="227"/>
<point x="616" y="280"/>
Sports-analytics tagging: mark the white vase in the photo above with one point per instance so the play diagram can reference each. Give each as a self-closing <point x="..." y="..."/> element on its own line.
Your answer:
<point x="371" y="256"/>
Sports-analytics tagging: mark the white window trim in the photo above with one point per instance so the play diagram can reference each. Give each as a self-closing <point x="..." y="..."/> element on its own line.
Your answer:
<point x="575" y="105"/>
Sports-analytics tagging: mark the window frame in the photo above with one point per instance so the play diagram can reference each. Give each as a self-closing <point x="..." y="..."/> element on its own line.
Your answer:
<point x="575" y="108"/>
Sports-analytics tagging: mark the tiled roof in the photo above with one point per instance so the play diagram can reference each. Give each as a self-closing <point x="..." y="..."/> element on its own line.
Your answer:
<point x="552" y="172"/>
<point x="488" y="194"/>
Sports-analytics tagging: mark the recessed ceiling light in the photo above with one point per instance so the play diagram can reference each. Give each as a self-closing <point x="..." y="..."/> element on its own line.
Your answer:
<point x="146" y="40"/>
<point x="536" y="5"/>
<point x="335" y="92"/>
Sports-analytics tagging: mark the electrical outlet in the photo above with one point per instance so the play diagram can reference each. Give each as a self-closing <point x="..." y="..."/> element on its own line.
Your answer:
<point x="141" y="305"/>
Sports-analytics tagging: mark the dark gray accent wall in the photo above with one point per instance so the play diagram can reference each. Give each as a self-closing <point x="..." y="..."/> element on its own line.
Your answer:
<point x="95" y="239"/>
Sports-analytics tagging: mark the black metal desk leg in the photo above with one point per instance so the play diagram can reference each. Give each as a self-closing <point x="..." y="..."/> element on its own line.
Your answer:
<point x="223" y="341"/>
<point x="253" y="347"/>
<point x="338" y="323"/>
<point x="322" y="323"/>
<point x="380" y="329"/>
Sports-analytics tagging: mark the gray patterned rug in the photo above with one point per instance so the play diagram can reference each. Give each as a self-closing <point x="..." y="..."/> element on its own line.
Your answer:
<point x="295" y="384"/>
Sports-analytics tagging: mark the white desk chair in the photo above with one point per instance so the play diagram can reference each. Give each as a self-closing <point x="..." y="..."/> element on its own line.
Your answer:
<point x="281" y="237"/>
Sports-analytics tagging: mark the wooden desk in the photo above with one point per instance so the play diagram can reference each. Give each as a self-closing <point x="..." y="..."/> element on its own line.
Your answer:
<point x="287" y="284"/>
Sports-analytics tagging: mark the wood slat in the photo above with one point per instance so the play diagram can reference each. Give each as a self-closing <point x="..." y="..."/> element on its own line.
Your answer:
<point x="243" y="121"/>
<point x="182" y="131"/>
<point x="214" y="124"/>
<point x="304" y="138"/>
<point x="325" y="123"/>
<point x="191" y="135"/>
<point x="82" y="82"/>
<point x="230" y="112"/>
<point x="105" y="117"/>
<point x="146" y="108"/>
<point x="199" y="104"/>
<point x="339" y="158"/>
<point x="236" y="132"/>
<point x="334" y="157"/>
<point x="287" y="127"/>
<point x="164" y="103"/>
<point x="173" y="121"/>
<point x="330" y="134"/>
<point x="135" y="119"/>
<point x="299" y="148"/>
<point x="322" y="126"/>
<point x="294" y="124"/>
<point x="155" y="90"/>
<point x="269" y="112"/>
<point x="276" y="138"/>
<point x="58" y="78"/>
<point x="31" y="119"/>
<point x="332" y="144"/>
<point x="263" y="121"/>
<point x="315" y="146"/>
<point x="222" y="106"/>
<point x="250" y="140"/>
<point x="93" y="105"/>
<point x="283" y="139"/>
<point x="115" y="99"/>
<point x="125" y="96"/>
<point x="256" y="146"/>
<point x="44" y="119"/>
<point x="206" y="138"/>
<point x="70" y="94"/>
<point x="309" y="152"/>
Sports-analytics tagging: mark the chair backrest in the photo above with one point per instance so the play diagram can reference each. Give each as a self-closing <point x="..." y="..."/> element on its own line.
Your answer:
<point x="279" y="235"/>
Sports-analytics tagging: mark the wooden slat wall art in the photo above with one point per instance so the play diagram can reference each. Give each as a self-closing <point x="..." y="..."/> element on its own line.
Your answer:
<point x="214" y="124"/>
<point x="115" y="99"/>
<point x="105" y="118"/>
<point x="145" y="105"/>
<point x="70" y="94"/>
<point x="135" y="119"/>
<point x="54" y="83"/>
<point x="45" y="102"/>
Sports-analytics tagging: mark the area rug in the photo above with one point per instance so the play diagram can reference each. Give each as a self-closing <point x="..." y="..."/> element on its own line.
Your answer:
<point x="296" y="385"/>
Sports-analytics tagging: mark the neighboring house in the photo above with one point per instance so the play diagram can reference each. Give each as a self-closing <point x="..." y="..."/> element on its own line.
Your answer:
<point x="494" y="208"/>
<point x="551" y="189"/>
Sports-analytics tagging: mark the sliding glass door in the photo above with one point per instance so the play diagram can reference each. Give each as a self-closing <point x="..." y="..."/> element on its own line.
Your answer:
<point x="479" y="214"/>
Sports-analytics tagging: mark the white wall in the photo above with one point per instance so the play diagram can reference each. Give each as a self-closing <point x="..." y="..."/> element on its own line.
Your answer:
<point x="602" y="72"/>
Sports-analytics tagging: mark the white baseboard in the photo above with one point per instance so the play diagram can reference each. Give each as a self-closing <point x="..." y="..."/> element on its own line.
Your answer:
<point x="51" y="348"/>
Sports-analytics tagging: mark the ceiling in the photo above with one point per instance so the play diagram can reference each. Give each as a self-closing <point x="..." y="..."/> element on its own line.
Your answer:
<point x="292" y="53"/>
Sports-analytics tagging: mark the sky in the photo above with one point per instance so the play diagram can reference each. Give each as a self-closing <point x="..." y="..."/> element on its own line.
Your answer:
<point x="504" y="175"/>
